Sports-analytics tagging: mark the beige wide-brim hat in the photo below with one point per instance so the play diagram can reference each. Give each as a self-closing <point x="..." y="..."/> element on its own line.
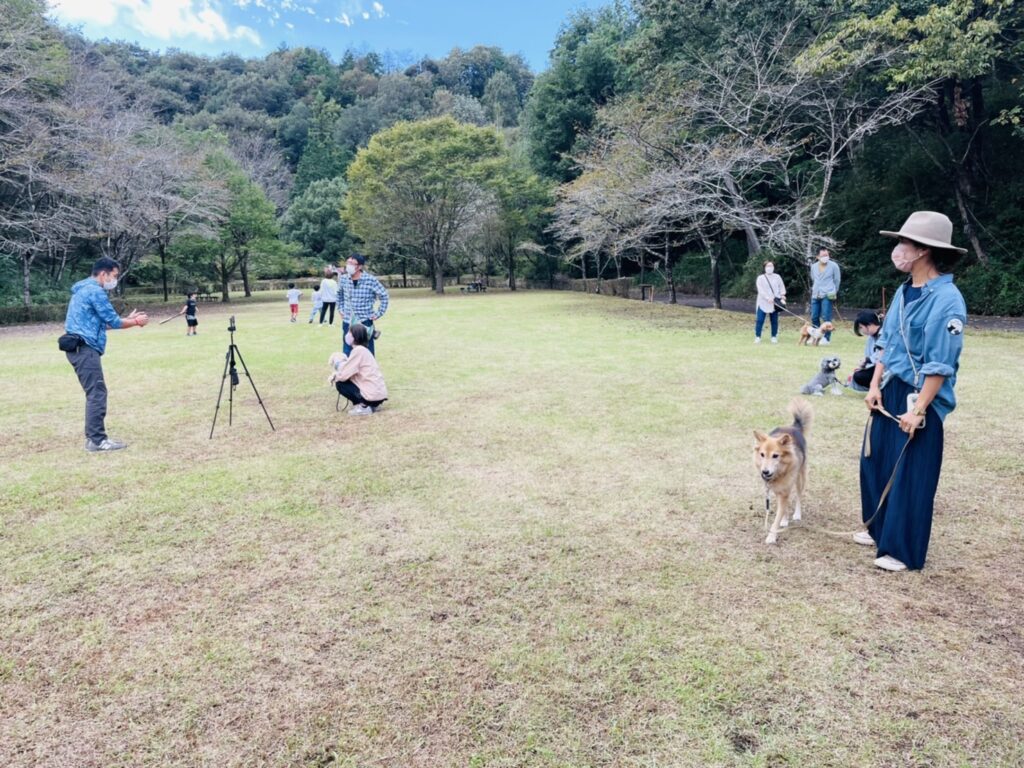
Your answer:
<point x="928" y="228"/>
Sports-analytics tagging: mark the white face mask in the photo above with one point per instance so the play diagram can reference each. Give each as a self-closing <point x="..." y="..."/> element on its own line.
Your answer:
<point x="110" y="284"/>
<point x="823" y="258"/>
<point x="349" y="340"/>
<point x="350" y="269"/>
<point x="769" y="270"/>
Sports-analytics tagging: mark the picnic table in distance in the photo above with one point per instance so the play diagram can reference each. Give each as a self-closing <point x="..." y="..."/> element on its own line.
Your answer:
<point x="477" y="286"/>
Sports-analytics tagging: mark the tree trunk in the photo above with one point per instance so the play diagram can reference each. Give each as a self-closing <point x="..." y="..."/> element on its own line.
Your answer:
<point x="405" y="275"/>
<point x="668" y="271"/>
<point x="716" y="275"/>
<point x="438" y="275"/>
<point x="26" y="280"/>
<point x="244" y="267"/>
<point x="162" y="249"/>
<point x="965" y="215"/>
<point x="511" y="265"/>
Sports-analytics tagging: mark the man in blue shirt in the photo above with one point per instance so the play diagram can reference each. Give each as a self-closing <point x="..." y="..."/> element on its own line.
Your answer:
<point x="824" y="289"/>
<point x="359" y="291"/>
<point x="90" y="314"/>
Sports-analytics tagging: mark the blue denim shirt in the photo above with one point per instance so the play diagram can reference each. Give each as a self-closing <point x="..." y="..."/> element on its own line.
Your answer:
<point x="90" y="312"/>
<point x="934" y="327"/>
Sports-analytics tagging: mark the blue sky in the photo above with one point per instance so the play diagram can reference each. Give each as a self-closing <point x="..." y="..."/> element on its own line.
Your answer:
<point x="256" y="27"/>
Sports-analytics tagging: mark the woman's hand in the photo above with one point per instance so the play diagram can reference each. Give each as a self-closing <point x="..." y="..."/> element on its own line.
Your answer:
<point x="873" y="398"/>
<point x="909" y="422"/>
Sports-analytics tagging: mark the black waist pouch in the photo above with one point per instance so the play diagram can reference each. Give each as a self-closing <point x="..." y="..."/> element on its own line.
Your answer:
<point x="69" y="342"/>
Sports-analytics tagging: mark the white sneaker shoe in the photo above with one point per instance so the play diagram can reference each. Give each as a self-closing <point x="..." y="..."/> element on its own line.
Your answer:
<point x="757" y="339"/>
<point x="888" y="563"/>
<point x="864" y="538"/>
<point x="360" y="410"/>
<point x="775" y="339"/>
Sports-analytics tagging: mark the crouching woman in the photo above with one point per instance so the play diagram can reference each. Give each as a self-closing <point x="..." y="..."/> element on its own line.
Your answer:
<point x="357" y="376"/>
<point x="913" y="382"/>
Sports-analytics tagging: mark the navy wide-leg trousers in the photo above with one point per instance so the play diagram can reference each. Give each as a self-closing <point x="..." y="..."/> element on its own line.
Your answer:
<point x="904" y="524"/>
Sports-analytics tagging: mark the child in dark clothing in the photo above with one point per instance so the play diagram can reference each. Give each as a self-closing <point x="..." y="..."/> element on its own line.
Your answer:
<point x="189" y="311"/>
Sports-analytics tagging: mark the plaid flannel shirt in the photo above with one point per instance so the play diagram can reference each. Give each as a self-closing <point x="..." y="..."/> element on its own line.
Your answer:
<point x="357" y="299"/>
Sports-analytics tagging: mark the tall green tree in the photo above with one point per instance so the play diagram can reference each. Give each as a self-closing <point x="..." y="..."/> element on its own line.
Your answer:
<point x="957" y="46"/>
<point x="423" y="186"/>
<point x="586" y="72"/>
<point x="314" y="221"/>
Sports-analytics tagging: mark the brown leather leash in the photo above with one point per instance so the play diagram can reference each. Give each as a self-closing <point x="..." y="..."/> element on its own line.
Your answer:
<point x="867" y="454"/>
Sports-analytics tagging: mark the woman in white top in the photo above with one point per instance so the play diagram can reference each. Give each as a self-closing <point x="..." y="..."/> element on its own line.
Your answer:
<point x="771" y="293"/>
<point x="357" y="376"/>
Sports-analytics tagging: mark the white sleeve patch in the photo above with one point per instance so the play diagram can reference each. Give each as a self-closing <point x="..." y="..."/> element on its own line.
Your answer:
<point x="955" y="326"/>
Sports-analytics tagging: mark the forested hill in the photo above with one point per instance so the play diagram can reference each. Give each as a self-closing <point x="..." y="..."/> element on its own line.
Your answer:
<point x="679" y="140"/>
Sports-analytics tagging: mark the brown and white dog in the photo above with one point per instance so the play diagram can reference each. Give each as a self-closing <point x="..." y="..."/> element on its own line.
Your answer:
<point x="781" y="459"/>
<point x="811" y="335"/>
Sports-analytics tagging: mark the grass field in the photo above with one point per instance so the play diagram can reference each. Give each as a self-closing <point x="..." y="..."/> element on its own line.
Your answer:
<point x="547" y="550"/>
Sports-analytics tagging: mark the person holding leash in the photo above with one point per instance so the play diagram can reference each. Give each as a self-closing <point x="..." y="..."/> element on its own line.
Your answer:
<point x="90" y="314"/>
<point x="771" y="294"/>
<point x="358" y="292"/>
<point x="825" y="278"/>
<point x="911" y="393"/>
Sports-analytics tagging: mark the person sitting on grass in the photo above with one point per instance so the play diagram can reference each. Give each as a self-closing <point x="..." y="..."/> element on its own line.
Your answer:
<point x="357" y="376"/>
<point x="867" y="324"/>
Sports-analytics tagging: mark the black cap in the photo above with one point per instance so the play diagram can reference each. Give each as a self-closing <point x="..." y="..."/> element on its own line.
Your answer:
<point x="866" y="317"/>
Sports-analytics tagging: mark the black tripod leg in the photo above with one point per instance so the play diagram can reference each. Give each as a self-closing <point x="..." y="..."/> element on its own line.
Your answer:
<point x="231" y="385"/>
<point x="253" y="383"/>
<point x="223" y="378"/>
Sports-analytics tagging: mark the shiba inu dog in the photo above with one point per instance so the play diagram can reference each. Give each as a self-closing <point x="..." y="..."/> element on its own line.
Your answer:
<point x="811" y="335"/>
<point x="781" y="459"/>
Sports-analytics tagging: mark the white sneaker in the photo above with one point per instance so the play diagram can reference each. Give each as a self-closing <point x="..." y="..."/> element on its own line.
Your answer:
<point x="360" y="410"/>
<point x="757" y="339"/>
<point x="824" y="343"/>
<point x="775" y="339"/>
<point x="863" y="537"/>
<point x="887" y="563"/>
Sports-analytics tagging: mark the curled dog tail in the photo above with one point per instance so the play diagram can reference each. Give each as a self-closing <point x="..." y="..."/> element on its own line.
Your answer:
<point x="803" y="414"/>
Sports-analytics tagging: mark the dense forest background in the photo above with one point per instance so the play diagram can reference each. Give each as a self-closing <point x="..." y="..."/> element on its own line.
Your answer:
<point x="672" y="141"/>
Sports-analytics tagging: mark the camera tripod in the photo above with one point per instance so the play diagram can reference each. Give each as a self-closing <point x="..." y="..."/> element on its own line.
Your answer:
<point x="231" y="370"/>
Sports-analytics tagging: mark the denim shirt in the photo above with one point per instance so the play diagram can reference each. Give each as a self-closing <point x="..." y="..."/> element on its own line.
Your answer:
<point x="89" y="314"/>
<point x="934" y="327"/>
<point x="873" y="348"/>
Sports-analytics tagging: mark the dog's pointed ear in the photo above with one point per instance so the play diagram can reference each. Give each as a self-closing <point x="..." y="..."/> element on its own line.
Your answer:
<point x="786" y="439"/>
<point x="760" y="436"/>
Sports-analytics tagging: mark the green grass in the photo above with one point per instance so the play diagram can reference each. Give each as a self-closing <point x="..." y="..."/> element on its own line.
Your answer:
<point x="547" y="550"/>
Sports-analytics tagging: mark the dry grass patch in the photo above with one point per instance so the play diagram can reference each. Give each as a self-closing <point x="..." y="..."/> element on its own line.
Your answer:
<point x="546" y="550"/>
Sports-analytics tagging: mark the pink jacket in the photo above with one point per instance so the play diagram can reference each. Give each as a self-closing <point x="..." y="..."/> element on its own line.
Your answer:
<point x="362" y="370"/>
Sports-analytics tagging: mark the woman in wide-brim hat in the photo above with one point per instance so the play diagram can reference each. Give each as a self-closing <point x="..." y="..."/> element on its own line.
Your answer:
<point x="922" y="337"/>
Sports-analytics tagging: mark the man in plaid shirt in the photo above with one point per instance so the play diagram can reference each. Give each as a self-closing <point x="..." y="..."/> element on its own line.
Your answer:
<point x="357" y="294"/>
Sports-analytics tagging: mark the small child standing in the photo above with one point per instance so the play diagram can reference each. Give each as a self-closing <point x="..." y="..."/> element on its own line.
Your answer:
<point x="293" y="300"/>
<point x="318" y="303"/>
<point x="189" y="311"/>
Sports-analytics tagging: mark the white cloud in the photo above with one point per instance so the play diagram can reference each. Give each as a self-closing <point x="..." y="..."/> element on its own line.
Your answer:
<point x="344" y="19"/>
<point x="379" y="9"/>
<point x="160" y="19"/>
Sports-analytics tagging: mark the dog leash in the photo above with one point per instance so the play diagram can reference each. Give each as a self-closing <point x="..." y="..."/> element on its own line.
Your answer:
<point x="867" y="454"/>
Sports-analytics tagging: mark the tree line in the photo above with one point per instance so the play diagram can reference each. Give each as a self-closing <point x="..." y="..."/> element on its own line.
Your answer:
<point x="677" y="141"/>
